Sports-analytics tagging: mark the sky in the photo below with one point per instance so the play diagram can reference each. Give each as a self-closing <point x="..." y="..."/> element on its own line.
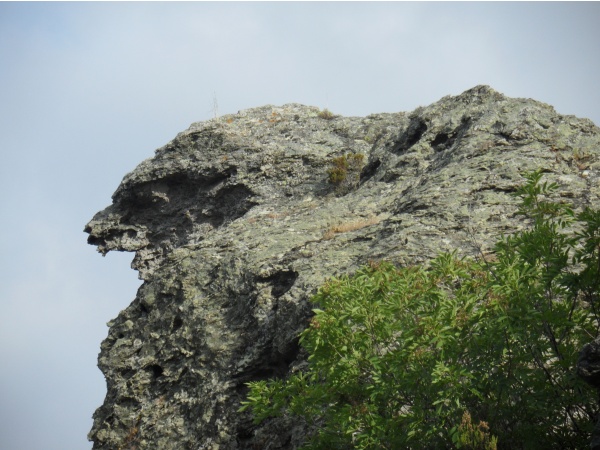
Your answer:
<point x="89" y="90"/>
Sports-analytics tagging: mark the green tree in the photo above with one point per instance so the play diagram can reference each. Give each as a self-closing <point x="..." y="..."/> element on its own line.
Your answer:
<point x="407" y="357"/>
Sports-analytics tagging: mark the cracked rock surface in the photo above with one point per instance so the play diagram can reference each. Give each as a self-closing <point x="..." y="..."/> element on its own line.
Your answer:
<point x="235" y="226"/>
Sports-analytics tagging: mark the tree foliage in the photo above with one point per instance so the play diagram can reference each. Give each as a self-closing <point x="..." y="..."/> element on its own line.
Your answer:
<point x="460" y="353"/>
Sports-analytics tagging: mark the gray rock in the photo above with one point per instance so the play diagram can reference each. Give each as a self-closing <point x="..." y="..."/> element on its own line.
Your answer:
<point x="234" y="227"/>
<point x="588" y="365"/>
<point x="588" y="368"/>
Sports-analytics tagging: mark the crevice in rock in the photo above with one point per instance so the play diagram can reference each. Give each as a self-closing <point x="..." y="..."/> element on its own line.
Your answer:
<point x="156" y="370"/>
<point x="281" y="282"/>
<point x="443" y="141"/>
<point x="362" y="239"/>
<point x="440" y="139"/>
<point x="143" y="310"/>
<point x="411" y="206"/>
<point x="416" y="133"/>
<point x="369" y="170"/>
<point x="273" y="364"/>
<point x="177" y="323"/>
<point x="232" y="202"/>
<point x="416" y="128"/>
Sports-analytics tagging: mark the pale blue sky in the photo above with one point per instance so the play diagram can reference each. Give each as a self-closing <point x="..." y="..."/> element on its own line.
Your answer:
<point x="87" y="91"/>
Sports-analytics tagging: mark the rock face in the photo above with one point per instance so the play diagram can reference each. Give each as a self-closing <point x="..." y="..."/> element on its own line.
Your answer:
<point x="588" y="368"/>
<point x="234" y="226"/>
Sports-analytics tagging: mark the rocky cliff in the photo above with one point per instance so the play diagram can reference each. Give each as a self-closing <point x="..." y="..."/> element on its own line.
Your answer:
<point x="234" y="226"/>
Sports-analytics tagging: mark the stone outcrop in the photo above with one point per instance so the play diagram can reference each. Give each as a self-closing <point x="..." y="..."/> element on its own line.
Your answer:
<point x="234" y="226"/>
<point x="588" y="368"/>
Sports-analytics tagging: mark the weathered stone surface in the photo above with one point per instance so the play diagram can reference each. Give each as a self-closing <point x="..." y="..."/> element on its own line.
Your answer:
<point x="588" y="368"/>
<point x="588" y="365"/>
<point x="234" y="226"/>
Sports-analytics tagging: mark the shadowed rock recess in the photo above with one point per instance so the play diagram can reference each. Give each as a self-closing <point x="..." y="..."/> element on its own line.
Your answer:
<point x="235" y="226"/>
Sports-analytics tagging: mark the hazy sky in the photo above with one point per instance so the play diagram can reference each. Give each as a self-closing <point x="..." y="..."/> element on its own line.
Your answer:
<point x="87" y="91"/>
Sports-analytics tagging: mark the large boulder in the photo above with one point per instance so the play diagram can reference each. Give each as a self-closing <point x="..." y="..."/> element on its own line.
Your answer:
<point x="234" y="226"/>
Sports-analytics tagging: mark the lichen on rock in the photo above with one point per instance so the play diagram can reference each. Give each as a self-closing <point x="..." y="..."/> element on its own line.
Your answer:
<point x="228" y="225"/>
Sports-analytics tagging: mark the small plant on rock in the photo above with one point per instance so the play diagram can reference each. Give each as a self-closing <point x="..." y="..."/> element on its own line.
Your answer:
<point x="326" y="114"/>
<point x="344" y="172"/>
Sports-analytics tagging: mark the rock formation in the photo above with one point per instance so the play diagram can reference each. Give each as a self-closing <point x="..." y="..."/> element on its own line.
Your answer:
<point x="234" y="226"/>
